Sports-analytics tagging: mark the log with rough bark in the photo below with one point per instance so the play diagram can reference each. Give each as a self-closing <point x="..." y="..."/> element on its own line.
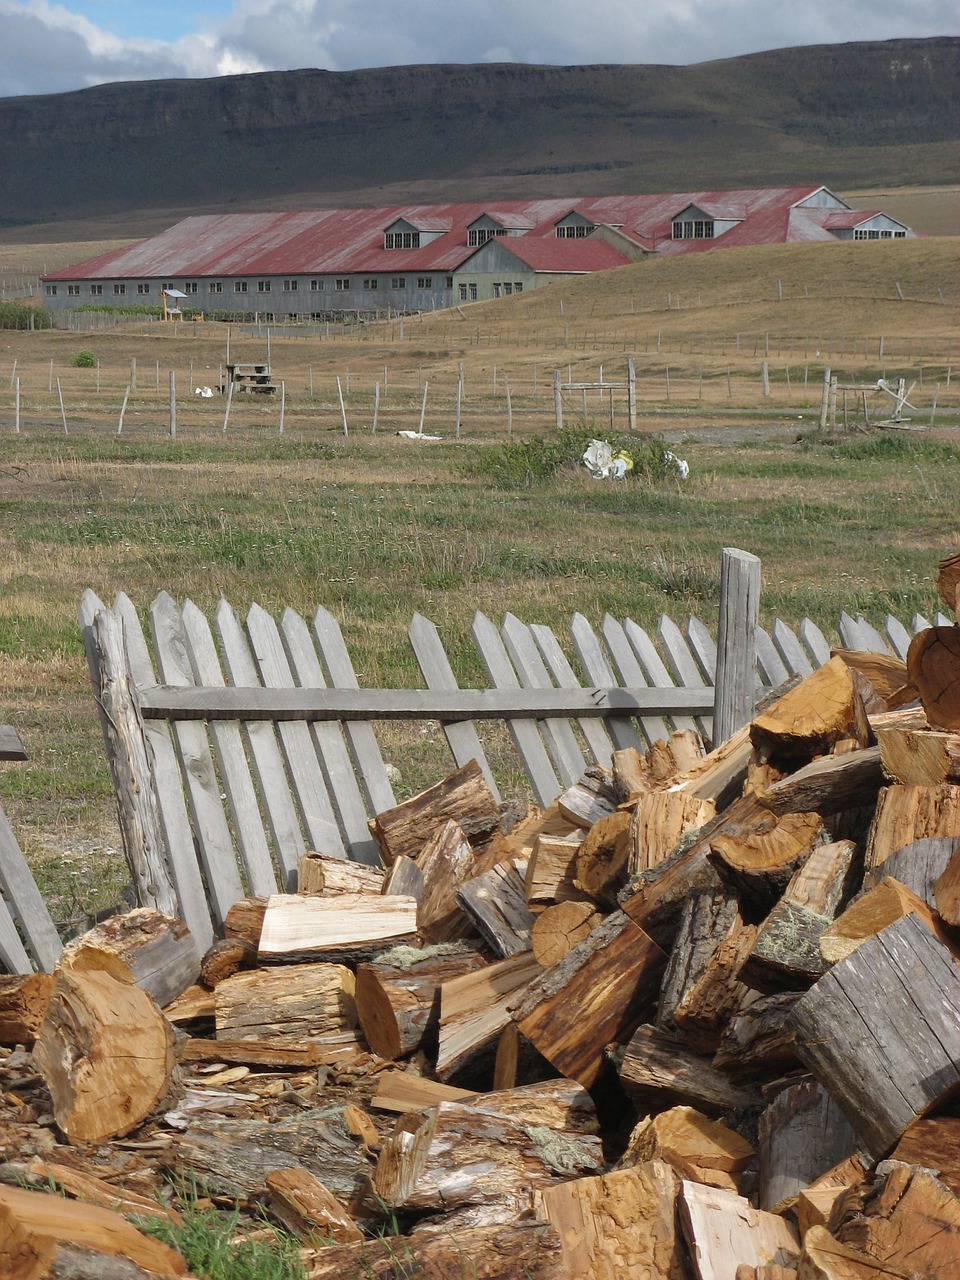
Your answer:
<point x="696" y="1147"/>
<point x="919" y="757"/>
<point x="496" y="906"/>
<point x="143" y="946"/>
<point x="44" y="1236"/>
<point x="905" y="814"/>
<point x="946" y="892"/>
<point x="464" y="796"/>
<point x="815" y="1203"/>
<point x="903" y="986"/>
<point x="760" y="859"/>
<point x="226" y="957"/>
<point x="558" y="929"/>
<point x="601" y="863"/>
<point x="656" y="1066"/>
<point x="948" y="576"/>
<point x="106" y="1054"/>
<point x="918" y="866"/>
<point x="398" y="995"/>
<point x="244" y="919"/>
<point x="552" y="870"/>
<point x="720" y="774"/>
<point x="324" y="874"/>
<point x="660" y="820"/>
<point x="474" y="1010"/>
<point x="446" y="861"/>
<point x="724" y="1231"/>
<point x="594" y="996"/>
<point x="404" y="878"/>
<point x="287" y="1005"/>
<point x="933" y="665"/>
<point x="872" y="911"/>
<point x="23" y="1006"/>
<point x="590" y="799"/>
<point x="500" y="1251"/>
<point x="825" y="1258"/>
<point x="307" y="1209"/>
<point x="402" y="1091"/>
<point x="355" y="926"/>
<point x="810" y="718"/>
<point x="701" y="988"/>
<point x="620" y="1224"/>
<point x="758" y="1042"/>
<point x="786" y="953"/>
<point x="829" y="784"/>
<point x="909" y="1222"/>
<point x="935" y="1144"/>
<point x="803" y="1133"/>
<point x="491" y="1147"/>
<point x="886" y="675"/>
<point x="631" y="776"/>
<point x="337" y="1049"/>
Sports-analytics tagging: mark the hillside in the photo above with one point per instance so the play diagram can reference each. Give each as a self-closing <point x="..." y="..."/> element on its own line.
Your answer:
<point x="135" y="155"/>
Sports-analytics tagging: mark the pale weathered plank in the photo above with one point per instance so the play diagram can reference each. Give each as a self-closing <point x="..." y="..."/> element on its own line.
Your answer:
<point x="228" y="744"/>
<point x="645" y="654"/>
<point x="174" y="818"/>
<point x="20" y="890"/>
<point x="736" y="642"/>
<point x="527" y="740"/>
<point x="682" y="664"/>
<point x="859" y="635"/>
<point x="771" y="667"/>
<point x="795" y="658"/>
<point x="563" y="673"/>
<point x="437" y="672"/>
<point x="11" y="748"/>
<point x="703" y="647"/>
<point x="303" y="766"/>
<point x="918" y="623"/>
<point x="533" y="674"/>
<point x="363" y="743"/>
<point x="342" y="780"/>
<point x="815" y="643"/>
<point x="594" y="661"/>
<point x="210" y="826"/>
<point x="265" y="753"/>
<point x="898" y="637"/>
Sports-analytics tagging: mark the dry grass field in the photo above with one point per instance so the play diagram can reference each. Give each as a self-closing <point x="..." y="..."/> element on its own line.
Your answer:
<point x="376" y="526"/>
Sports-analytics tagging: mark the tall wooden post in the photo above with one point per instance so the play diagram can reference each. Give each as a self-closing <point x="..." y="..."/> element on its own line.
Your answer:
<point x="825" y="398"/>
<point x="17" y="415"/>
<point x="173" y="404"/>
<point x="343" y="408"/>
<point x="376" y="408"/>
<point x="283" y="401"/>
<point x="423" y="406"/>
<point x="736" y="686"/>
<point x="557" y="399"/>
<point x="133" y="374"/>
<point x="63" y="412"/>
<point x="632" y="393"/>
<point x="765" y="377"/>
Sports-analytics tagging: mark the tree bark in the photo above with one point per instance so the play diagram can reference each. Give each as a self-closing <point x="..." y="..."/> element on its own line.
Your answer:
<point x="398" y="996"/>
<point x="143" y="946"/>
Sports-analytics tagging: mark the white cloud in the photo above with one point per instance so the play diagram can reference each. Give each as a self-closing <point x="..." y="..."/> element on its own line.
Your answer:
<point x="50" y="47"/>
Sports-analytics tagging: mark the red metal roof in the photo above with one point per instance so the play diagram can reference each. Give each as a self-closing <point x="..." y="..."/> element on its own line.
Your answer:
<point x="329" y="241"/>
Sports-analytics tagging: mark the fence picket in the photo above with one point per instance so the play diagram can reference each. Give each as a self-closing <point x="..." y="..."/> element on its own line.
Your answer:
<point x="533" y="674"/>
<point x="599" y="672"/>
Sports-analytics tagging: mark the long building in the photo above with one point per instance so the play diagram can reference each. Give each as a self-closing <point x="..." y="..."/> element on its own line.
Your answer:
<point x="422" y="257"/>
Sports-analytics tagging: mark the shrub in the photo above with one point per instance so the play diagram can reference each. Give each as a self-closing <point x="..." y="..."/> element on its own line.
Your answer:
<point x="17" y="315"/>
<point x="522" y="463"/>
<point x="84" y="360"/>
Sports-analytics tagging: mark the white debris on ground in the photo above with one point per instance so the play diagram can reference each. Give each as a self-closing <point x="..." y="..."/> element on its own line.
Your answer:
<point x="603" y="463"/>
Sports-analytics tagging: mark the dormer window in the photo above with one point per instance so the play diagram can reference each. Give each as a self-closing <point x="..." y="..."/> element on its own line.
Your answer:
<point x="480" y="235"/>
<point x="692" y="229"/>
<point x="574" y="230"/>
<point x="401" y="239"/>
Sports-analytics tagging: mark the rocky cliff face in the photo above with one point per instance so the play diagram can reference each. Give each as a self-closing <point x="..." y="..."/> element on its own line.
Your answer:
<point x="828" y="112"/>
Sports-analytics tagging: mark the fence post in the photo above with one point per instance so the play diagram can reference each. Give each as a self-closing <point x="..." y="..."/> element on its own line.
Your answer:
<point x="735" y="695"/>
<point x="632" y="394"/>
<point x="557" y="401"/>
<point x="173" y="404"/>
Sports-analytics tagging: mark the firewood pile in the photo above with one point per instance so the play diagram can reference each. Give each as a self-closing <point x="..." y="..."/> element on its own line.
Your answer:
<point x="699" y="1020"/>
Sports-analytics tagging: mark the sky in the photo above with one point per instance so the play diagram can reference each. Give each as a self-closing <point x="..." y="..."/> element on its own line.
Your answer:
<point x="46" y="47"/>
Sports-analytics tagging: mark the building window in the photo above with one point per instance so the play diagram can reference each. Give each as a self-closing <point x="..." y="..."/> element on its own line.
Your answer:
<point x="263" y="286"/>
<point x="96" y="290"/>
<point x="143" y="287"/>
<point x="401" y="240"/>
<point x="51" y="290"/>
<point x="215" y="286"/>
<point x="398" y="282"/>
<point x="73" y="290"/>
<point x="692" y="229"/>
<point x="473" y="292"/>
<point x="424" y="282"/>
<point x="518" y="286"/>
<point x="449" y="282"/>
<point x="574" y="231"/>
<point x="463" y="293"/>
<point x="239" y="286"/>
<point x="480" y="235"/>
<point x="341" y="284"/>
<point x="167" y="284"/>
<point x="316" y="286"/>
<point x="119" y="289"/>
<point x="899" y="235"/>
<point x="370" y="282"/>
<point x="290" y="286"/>
<point x="497" y="289"/>
<point x="508" y="288"/>
<point x="191" y="286"/>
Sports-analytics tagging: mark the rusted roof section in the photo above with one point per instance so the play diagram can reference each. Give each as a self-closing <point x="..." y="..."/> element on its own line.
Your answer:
<point x="849" y="217"/>
<point x="344" y="241"/>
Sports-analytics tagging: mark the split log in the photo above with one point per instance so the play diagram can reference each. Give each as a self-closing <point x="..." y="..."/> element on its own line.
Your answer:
<point x="909" y="1222"/>
<point x="78" y="1185"/>
<point x="904" y="985"/>
<point x="657" y="1066"/>
<point x="816" y="1203"/>
<point x="631" y="775"/>
<point x="496" y="906"/>
<point x="933" y="1143"/>
<point x="869" y="913"/>
<point x="552" y="870"/>
<point x="829" y="784"/>
<point x="195" y="1005"/>
<point x="464" y="796"/>
<point x="660" y="820"/>
<point x="886" y="675"/>
<point x="720" y="774"/>
<point x="920" y="757"/>
<point x="810" y="718"/>
<point x="948" y="576"/>
<point x="595" y="995"/>
<point x="338" y="1049"/>
<point x="760" y="859"/>
<point x="918" y="866"/>
<point x="824" y="1258"/>
<point x="759" y="1042"/>
<point x="487" y="1148"/>
<point x="558" y="929"/>
<point x="322" y="873"/>
<point x="23" y="1006"/>
<point x="500" y="1251"/>
<point x="106" y="1054"/>
<point x="907" y="813"/>
<point x="695" y="1147"/>
<point x="446" y="861"/>
<point x="231" y="1157"/>
<point x="473" y="1010"/>
<point x="404" y="879"/>
<point x="701" y="988"/>
<point x="803" y="1133"/>
<point x="786" y="953"/>
<point x="398" y="995"/>
<point x="590" y="799"/>
<point x="353" y="926"/>
<point x="520" y="839"/>
<point x="40" y="1234"/>
<point x="946" y="892"/>
<point x="674" y="757"/>
<point x="307" y="1209"/>
<point x="143" y="946"/>
<point x="402" y="1091"/>
<point x="226" y="957"/>
<point x="244" y="919"/>
<point x="619" y="1224"/>
<point x="933" y="665"/>
<point x="724" y="1231"/>
<point x="602" y="859"/>
<point x="286" y="1006"/>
